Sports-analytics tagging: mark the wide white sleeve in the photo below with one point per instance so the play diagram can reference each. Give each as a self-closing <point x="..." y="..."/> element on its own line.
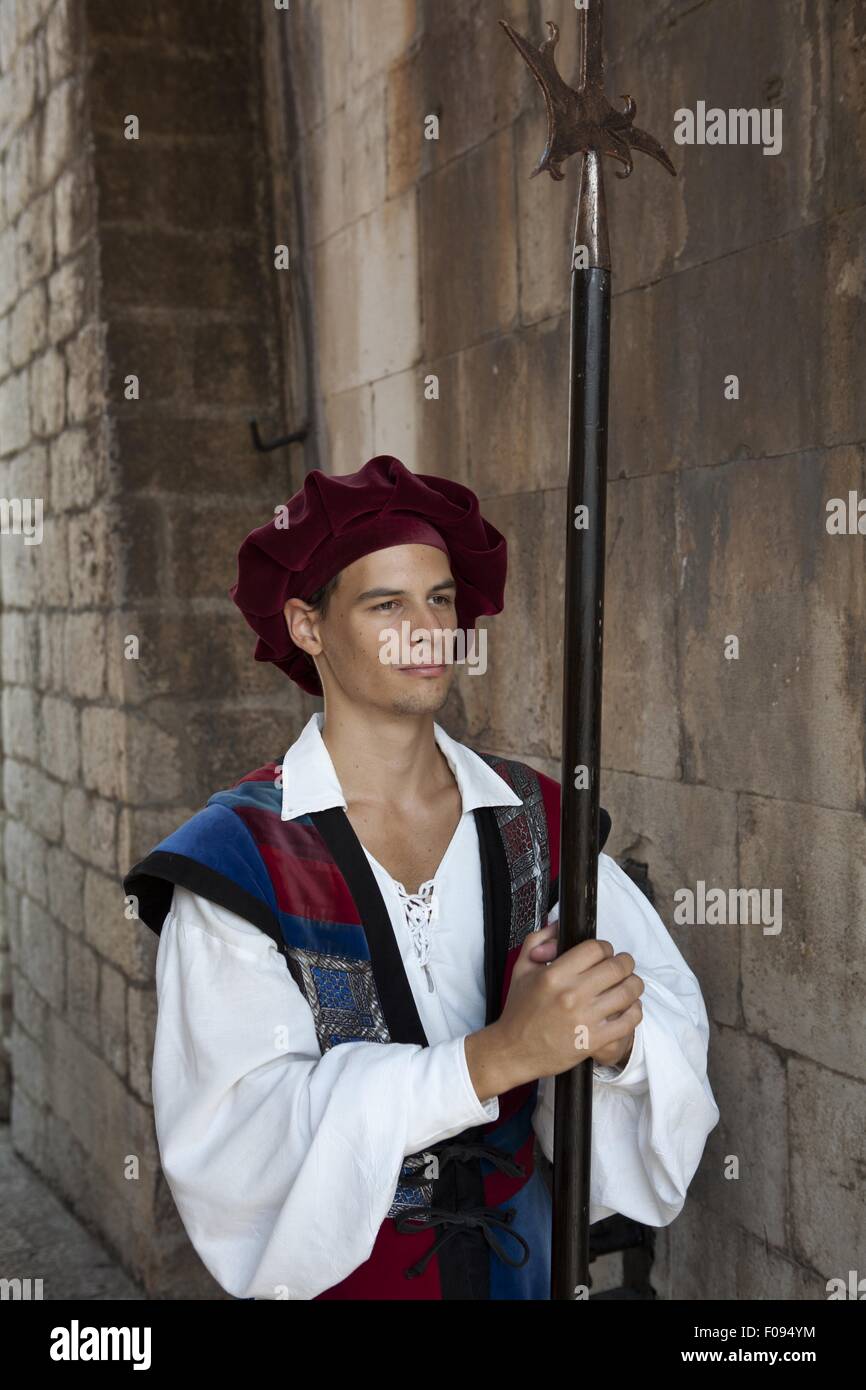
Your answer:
<point x="282" y="1162"/>
<point x="650" y="1120"/>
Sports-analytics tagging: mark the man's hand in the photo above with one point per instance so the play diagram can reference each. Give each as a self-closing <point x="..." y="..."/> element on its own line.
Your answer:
<point x="539" y="948"/>
<point x="559" y="1011"/>
<point x="622" y="1060"/>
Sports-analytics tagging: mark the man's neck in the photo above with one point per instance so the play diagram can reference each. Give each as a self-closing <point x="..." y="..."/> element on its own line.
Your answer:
<point x="385" y="758"/>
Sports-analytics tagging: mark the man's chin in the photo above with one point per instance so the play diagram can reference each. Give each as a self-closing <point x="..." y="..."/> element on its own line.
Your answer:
<point x="422" y="694"/>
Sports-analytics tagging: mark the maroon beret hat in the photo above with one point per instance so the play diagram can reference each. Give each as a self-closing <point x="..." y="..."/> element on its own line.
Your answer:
<point x="332" y="521"/>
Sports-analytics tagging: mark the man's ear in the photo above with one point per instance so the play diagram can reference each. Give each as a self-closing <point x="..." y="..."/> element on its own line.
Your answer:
<point x="301" y="623"/>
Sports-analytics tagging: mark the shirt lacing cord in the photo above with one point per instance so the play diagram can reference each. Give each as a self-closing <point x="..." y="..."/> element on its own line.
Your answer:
<point x="419" y="909"/>
<point x="419" y="1218"/>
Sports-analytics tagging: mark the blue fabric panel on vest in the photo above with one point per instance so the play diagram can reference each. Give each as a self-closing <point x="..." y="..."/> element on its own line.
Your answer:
<point x="324" y="938"/>
<point x="218" y="838"/>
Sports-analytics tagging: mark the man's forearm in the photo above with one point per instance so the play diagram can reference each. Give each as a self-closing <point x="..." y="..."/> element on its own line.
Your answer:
<point x="491" y="1070"/>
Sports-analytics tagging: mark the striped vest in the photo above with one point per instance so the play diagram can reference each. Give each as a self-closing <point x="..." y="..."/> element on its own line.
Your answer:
<point x="471" y="1216"/>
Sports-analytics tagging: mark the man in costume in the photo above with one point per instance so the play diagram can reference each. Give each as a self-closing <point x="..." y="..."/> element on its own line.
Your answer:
<point x="360" y="1008"/>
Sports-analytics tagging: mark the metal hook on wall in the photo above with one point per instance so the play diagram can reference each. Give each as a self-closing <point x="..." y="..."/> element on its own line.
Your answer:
<point x="297" y="438"/>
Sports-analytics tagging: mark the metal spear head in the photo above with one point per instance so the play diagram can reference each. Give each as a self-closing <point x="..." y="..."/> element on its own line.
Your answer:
<point x="583" y="119"/>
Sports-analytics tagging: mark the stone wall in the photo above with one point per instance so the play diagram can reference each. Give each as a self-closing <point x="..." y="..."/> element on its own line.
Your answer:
<point x="424" y="315"/>
<point x="141" y="327"/>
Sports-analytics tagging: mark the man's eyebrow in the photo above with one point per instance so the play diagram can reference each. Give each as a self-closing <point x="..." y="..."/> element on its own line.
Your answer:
<point x="401" y="593"/>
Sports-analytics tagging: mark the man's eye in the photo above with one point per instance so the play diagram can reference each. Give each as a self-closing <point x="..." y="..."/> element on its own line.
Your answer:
<point x="381" y="607"/>
<point x="446" y="598"/>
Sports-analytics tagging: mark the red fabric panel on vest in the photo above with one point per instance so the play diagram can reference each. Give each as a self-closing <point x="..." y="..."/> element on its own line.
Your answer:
<point x="383" y="1276"/>
<point x="550" y="791"/>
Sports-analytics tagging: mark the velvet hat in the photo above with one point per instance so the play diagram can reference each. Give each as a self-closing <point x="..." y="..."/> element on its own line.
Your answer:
<point x="334" y="520"/>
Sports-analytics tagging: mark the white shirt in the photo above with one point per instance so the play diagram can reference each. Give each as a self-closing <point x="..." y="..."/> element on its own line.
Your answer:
<point x="283" y="1163"/>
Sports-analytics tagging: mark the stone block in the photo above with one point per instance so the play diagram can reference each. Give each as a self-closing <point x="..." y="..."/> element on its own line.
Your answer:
<point x="168" y="269"/>
<point x="14" y="413"/>
<point x="49" y="629"/>
<point x="512" y="704"/>
<point x="141" y="1005"/>
<point x="84" y="653"/>
<point x="65" y="879"/>
<point x="367" y="292"/>
<point x="324" y="76"/>
<point x="143" y="544"/>
<point x="720" y="54"/>
<point x="468" y="238"/>
<point x="93" y="559"/>
<point x="62" y="39"/>
<point x="34" y="243"/>
<point x="714" y="1260"/>
<point x="756" y="562"/>
<point x="59" y="738"/>
<point x="8" y="33"/>
<point x="682" y="833"/>
<point x="28" y="326"/>
<point x="79" y="467"/>
<point x="90" y="828"/>
<point x="364" y="148"/>
<point x="225" y="25"/>
<point x="471" y="77"/>
<point x="349" y="428"/>
<point x="827" y="1122"/>
<point x="440" y="431"/>
<point x="177" y="93"/>
<point x="20" y="184"/>
<point x="113" y="1041"/>
<point x="838" y="331"/>
<point x="126" y="943"/>
<point x="156" y="760"/>
<point x="85" y="359"/>
<point x="326" y="173"/>
<point x="62" y="129"/>
<point x="18" y="649"/>
<point x="407" y="150"/>
<point x="749" y="1081"/>
<point x="155" y="448"/>
<point x="82" y="990"/>
<point x="379" y="36"/>
<point x="514" y="401"/>
<point x="398" y="412"/>
<point x="47" y="392"/>
<point x="204" y="541"/>
<point x="38" y="801"/>
<point x="232" y="365"/>
<point x="74" y="208"/>
<point x="72" y="295"/>
<point x="103" y="751"/>
<point x="20" y="713"/>
<point x="802" y="987"/>
<point x="42" y="954"/>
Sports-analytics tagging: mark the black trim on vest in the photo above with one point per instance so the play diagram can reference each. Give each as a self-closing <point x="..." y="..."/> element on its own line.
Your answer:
<point x="464" y="1262"/>
<point x="395" y="994"/>
<point x="496" y="891"/>
<point x="152" y="881"/>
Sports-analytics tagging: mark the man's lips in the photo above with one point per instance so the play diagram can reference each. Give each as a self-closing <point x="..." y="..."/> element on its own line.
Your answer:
<point x="424" y="670"/>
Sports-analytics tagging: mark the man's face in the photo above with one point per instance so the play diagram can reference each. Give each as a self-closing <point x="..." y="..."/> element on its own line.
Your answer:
<point x="374" y="597"/>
